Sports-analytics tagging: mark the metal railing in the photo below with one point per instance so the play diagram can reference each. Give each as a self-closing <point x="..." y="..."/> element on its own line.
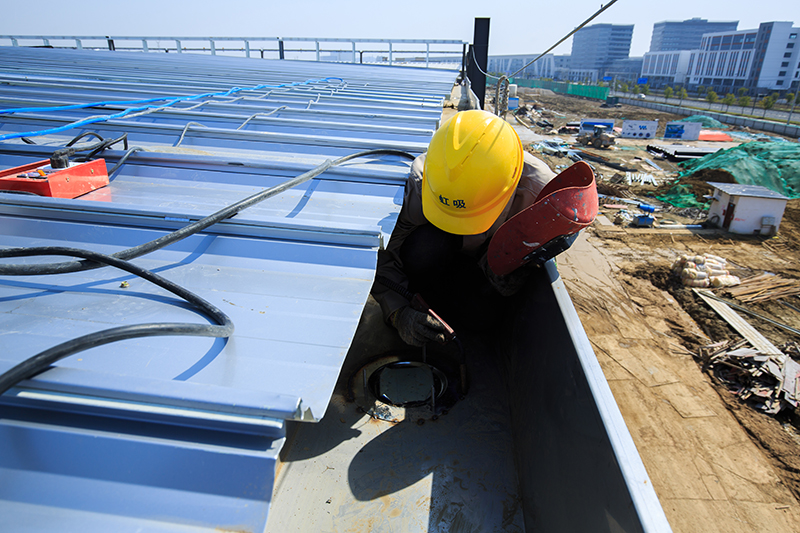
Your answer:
<point x="414" y="52"/>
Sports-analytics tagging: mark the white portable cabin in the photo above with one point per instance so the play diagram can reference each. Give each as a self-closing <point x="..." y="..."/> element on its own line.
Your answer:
<point x="746" y="209"/>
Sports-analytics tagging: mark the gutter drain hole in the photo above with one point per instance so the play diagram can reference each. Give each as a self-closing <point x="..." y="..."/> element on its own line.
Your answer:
<point x="407" y="383"/>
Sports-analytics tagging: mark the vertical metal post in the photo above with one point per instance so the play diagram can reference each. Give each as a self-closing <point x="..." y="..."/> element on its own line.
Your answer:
<point x="79" y="44"/>
<point x="427" y="54"/>
<point x="14" y="42"/>
<point x="144" y="45"/>
<point x="109" y="39"/>
<point x="317" y="51"/>
<point x="247" y="48"/>
<point x="390" y="53"/>
<point x="213" y="48"/>
<point x="280" y="48"/>
<point x="354" y="51"/>
<point x="178" y="45"/>
<point x="46" y="42"/>
<point x="479" y="55"/>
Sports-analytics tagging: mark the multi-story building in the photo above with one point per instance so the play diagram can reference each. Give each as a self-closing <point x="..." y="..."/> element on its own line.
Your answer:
<point x="543" y="68"/>
<point x="561" y="67"/>
<point x="666" y="68"/>
<point x="762" y="60"/>
<point x="766" y="59"/>
<point x="578" y="75"/>
<point x="550" y="66"/>
<point x="597" y="46"/>
<point x="627" y="69"/>
<point x="685" y="35"/>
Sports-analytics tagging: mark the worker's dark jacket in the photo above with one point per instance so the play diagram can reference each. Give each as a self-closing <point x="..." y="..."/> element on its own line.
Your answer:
<point x="535" y="175"/>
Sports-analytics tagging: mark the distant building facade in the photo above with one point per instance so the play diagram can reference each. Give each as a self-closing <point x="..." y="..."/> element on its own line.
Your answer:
<point x="766" y="59"/>
<point x="550" y="66"/>
<point x="585" y="75"/>
<point x="543" y="68"/>
<point x="561" y="67"/>
<point x="763" y="59"/>
<point x="598" y="46"/>
<point x="627" y="69"/>
<point x="685" y="35"/>
<point x="666" y="68"/>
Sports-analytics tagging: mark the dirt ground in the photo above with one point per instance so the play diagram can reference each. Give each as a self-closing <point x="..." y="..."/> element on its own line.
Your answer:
<point x="717" y="463"/>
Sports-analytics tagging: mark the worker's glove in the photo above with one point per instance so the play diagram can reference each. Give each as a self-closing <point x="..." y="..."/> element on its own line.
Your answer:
<point x="416" y="328"/>
<point x="509" y="284"/>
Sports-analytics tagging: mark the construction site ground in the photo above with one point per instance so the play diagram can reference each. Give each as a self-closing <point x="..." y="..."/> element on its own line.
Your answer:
<point x="716" y="463"/>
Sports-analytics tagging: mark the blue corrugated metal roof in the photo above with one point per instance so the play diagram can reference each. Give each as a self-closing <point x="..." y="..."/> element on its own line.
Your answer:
<point x="293" y="272"/>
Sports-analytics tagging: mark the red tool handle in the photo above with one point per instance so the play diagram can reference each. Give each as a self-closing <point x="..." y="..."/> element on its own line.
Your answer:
<point x="419" y="304"/>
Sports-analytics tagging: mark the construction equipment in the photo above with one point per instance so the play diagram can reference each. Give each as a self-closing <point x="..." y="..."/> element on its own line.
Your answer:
<point x="599" y="138"/>
<point x="611" y="101"/>
<point x="43" y="179"/>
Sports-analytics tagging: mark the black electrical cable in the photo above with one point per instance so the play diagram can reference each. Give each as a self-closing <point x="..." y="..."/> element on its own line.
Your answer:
<point x="107" y="144"/>
<point x="191" y="229"/>
<point x="567" y="36"/>
<point x="85" y="134"/>
<point x="11" y="191"/>
<point x="60" y="158"/>
<point x="41" y="361"/>
<point x="124" y="158"/>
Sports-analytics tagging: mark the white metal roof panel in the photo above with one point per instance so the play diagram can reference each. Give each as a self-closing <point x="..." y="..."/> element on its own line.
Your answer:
<point x="292" y="272"/>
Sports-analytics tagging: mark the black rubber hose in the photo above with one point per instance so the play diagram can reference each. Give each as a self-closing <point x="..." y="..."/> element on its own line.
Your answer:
<point x="191" y="229"/>
<point x="41" y="361"/>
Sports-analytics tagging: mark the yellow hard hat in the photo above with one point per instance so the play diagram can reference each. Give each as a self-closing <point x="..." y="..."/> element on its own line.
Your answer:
<point x="472" y="168"/>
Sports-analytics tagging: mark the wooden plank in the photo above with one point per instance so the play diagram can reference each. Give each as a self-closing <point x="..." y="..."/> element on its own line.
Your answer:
<point x="738" y="323"/>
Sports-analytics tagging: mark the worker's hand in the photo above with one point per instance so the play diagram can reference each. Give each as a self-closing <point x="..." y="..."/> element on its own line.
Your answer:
<point x="416" y="328"/>
<point x="509" y="284"/>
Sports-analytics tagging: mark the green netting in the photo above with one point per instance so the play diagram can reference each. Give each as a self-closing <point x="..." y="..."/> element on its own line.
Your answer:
<point x="707" y="122"/>
<point x="588" y="91"/>
<point x="774" y="165"/>
<point x="681" y="196"/>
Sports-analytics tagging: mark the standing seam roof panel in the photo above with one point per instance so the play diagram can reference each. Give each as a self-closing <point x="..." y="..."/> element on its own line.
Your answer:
<point x="293" y="272"/>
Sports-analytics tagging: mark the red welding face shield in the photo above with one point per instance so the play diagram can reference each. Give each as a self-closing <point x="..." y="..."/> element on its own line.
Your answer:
<point x="566" y="205"/>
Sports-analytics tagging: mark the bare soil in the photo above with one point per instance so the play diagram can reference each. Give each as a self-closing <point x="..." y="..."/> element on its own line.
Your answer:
<point x="643" y="308"/>
<point x="562" y="109"/>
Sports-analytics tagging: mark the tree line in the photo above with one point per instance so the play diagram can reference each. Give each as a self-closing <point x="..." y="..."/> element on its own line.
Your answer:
<point x="742" y="100"/>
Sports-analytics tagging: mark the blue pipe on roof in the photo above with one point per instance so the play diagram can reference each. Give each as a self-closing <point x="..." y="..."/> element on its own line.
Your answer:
<point x="122" y="114"/>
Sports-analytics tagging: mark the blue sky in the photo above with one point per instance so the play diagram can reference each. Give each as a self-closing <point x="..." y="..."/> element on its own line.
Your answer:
<point x="516" y="26"/>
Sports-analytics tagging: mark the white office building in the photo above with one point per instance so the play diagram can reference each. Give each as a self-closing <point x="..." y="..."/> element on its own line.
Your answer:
<point x="762" y="60"/>
<point x="669" y="36"/>
<point x="543" y="68"/>
<point x="666" y="68"/>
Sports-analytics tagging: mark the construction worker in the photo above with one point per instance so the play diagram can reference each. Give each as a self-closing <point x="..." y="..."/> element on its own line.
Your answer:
<point x="474" y="176"/>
